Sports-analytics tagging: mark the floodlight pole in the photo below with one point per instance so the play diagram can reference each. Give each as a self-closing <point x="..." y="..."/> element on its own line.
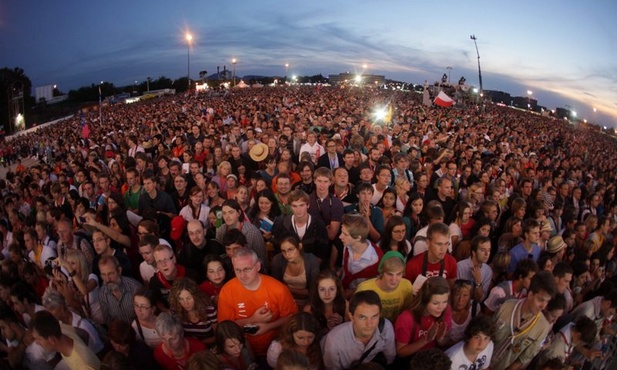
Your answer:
<point x="474" y="38"/>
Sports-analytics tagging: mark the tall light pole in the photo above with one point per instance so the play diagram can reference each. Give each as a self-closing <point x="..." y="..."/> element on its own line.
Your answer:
<point x="234" y="61"/>
<point x="189" y="38"/>
<point x="474" y="38"/>
<point x="449" y="70"/>
<point x="529" y="93"/>
<point x="286" y="71"/>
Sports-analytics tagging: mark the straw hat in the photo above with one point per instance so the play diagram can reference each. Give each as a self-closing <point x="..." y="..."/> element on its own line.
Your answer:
<point x="555" y="245"/>
<point x="259" y="152"/>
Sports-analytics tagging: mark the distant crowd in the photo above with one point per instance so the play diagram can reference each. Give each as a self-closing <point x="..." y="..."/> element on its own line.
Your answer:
<point x="290" y="228"/>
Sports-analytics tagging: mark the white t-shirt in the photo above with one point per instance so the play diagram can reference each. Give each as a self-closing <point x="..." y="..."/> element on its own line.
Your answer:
<point x="460" y="361"/>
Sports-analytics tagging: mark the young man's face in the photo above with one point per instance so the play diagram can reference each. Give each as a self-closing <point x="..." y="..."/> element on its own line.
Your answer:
<point x="322" y="184"/>
<point x="299" y="208"/>
<point x="438" y="245"/>
<point x="538" y="301"/>
<point x="484" y="252"/>
<point x="478" y="343"/>
<point x="365" y="320"/>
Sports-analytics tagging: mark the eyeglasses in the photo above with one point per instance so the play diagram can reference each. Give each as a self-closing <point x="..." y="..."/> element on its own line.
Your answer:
<point x="245" y="270"/>
<point x="164" y="260"/>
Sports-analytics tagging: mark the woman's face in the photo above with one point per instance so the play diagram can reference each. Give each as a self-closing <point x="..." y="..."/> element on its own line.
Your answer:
<point x="242" y="195"/>
<point x="290" y="251"/>
<point x="437" y="304"/>
<point x="230" y="216"/>
<point x="461" y="298"/>
<point x="143" y="308"/>
<point x="111" y="204"/>
<point x="264" y="204"/>
<point x="389" y="200"/>
<point x="172" y="341"/>
<point x="520" y="213"/>
<point x="303" y="338"/>
<point x="260" y="185"/>
<point x="485" y="230"/>
<point x="398" y="233"/>
<point x="215" y="273"/>
<point x="212" y="191"/>
<point x="517" y="229"/>
<point x="197" y="199"/>
<point x="74" y="265"/>
<point x="466" y="215"/>
<point x="186" y="300"/>
<point x="113" y="223"/>
<point x="233" y="347"/>
<point x="212" y="218"/>
<point x="417" y="205"/>
<point x="422" y="182"/>
<point x="225" y="170"/>
<point x="200" y="180"/>
<point x="326" y="288"/>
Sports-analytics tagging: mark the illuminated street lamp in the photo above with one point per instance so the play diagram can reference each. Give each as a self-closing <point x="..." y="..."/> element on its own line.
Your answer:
<point x="189" y="38"/>
<point x="234" y="61"/>
<point x="594" y="109"/>
<point x="529" y="93"/>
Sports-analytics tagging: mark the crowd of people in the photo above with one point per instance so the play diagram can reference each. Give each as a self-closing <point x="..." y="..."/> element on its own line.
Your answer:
<point x="289" y="228"/>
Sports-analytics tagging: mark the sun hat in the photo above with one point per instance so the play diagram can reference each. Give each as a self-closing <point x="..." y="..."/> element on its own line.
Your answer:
<point x="259" y="152"/>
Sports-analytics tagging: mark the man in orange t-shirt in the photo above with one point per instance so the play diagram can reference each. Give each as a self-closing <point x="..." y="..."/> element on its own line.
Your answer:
<point x="255" y="300"/>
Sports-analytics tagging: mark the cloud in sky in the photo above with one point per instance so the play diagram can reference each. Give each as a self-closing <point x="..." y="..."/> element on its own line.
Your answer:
<point x="565" y="53"/>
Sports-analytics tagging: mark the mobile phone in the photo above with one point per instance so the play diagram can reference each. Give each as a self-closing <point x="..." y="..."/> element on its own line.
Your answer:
<point x="250" y="329"/>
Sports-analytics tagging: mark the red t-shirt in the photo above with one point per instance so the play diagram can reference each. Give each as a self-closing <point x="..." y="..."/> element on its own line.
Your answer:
<point x="407" y="330"/>
<point x="168" y="363"/>
<point x="414" y="267"/>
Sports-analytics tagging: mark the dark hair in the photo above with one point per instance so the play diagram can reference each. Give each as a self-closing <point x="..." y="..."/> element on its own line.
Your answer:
<point x="552" y="364"/>
<point x="227" y="330"/>
<point x="477" y="240"/>
<point x="232" y="203"/>
<point x="587" y="327"/>
<point x="561" y="269"/>
<point x="275" y="210"/>
<point x="430" y="359"/>
<point x="479" y="324"/>
<point x="290" y="358"/>
<point x="434" y="285"/>
<point x="120" y="332"/>
<point x="611" y="296"/>
<point x="234" y="236"/>
<point x="557" y="303"/>
<point x="339" y="304"/>
<point x="367" y="297"/>
<point x="46" y="325"/>
<point x="524" y="268"/>
<point x="545" y="282"/>
<point x="386" y="237"/>
<point x="23" y="291"/>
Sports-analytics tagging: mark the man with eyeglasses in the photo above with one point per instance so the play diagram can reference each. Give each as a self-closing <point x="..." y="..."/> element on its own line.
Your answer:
<point x="168" y="272"/>
<point x="259" y="303"/>
<point x="331" y="158"/>
<point x="100" y="241"/>
<point x="116" y="293"/>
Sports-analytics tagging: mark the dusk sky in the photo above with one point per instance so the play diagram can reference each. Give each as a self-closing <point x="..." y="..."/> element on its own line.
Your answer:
<point x="563" y="51"/>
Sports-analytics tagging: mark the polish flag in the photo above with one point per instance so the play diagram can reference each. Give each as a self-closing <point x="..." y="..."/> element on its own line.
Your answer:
<point x="443" y="100"/>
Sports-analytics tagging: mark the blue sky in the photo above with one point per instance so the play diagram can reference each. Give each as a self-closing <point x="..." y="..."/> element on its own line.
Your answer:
<point x="563" y="51"/>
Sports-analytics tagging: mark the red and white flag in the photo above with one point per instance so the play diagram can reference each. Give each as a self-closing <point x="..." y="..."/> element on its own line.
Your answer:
<point x="443" y="100"/>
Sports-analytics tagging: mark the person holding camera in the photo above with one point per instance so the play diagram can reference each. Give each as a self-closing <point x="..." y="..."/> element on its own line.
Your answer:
<point x="258" y="303"/>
